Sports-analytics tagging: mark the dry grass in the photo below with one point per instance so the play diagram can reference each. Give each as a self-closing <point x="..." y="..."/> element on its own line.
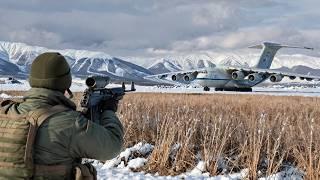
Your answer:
<point x="229" y="132"/>
<point x="262" y="133"/>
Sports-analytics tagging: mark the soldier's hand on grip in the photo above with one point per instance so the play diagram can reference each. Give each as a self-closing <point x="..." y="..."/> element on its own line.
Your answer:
<point x="110" y="104"/>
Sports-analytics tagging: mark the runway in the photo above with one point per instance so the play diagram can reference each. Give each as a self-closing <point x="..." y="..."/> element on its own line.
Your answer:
<point x="270" y="90"/>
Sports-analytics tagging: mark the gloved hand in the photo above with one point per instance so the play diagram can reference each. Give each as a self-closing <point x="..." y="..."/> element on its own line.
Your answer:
<point x="111" y="104"/>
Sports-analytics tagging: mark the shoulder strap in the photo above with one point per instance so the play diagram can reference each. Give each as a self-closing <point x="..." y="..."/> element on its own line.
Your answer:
<point x="40" y="116"/>
<point x="50" y="112"/>
<point x="37" y="117"/>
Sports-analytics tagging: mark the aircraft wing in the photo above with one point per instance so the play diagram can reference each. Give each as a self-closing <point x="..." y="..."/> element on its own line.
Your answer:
<point x="179" y="75"/>
<point x="274" y="72"/>
<point x="155" y="78"/>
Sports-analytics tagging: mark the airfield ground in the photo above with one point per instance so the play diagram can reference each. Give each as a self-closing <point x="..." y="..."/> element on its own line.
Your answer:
<point x="220" y="134"/>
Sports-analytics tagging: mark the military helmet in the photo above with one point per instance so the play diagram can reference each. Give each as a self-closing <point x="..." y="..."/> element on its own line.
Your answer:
<point x="50" y="70"/>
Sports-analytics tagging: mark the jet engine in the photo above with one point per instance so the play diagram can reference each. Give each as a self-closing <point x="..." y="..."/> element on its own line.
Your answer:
<point x="255" y="77"/>
<point x="276" y="78"/>
<point x="190" y="77"/>
<point x="237" y="75"/>
<point x="292" y="77"/>
<point x="176" y="77"/>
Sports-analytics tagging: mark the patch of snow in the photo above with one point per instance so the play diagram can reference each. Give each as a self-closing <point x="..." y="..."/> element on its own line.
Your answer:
<point x="5" y="96"/>
<point x="79" y="54"/>
<point x="137" y="163"/>
<point x="291" y="173"/>
<point x="129" y="154"/>
<point x="120" y="72"/>
<point x="199" y="169"/>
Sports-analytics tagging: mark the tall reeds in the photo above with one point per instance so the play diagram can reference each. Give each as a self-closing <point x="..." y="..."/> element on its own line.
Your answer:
<point x="264" y="134"/>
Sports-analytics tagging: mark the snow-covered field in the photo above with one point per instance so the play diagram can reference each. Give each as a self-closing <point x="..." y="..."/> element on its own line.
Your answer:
<point x="125" y="165"/>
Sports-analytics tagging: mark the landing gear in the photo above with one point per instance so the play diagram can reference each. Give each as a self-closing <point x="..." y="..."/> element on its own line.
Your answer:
<point x="206" y="88"/>
<point x="238" y="89"/>
<point x="245" y="89"/>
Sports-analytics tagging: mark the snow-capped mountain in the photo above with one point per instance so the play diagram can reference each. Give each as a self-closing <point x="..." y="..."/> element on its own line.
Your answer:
<point x="301" y="70"/>
<point x="179" y="63"/>
<point x="16" y="59"/>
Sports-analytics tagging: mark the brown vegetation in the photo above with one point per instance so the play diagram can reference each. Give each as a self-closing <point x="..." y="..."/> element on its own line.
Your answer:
<point x="261" y="133"/>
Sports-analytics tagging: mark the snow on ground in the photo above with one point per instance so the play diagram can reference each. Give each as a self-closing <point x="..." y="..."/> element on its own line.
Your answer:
<point x="5" y="96"/>
<point x="276" y="90"/>
<point x="133" y="158"/>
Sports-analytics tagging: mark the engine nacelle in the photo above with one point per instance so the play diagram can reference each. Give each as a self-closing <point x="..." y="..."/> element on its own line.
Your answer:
<point x="276" y="78"/>
<point x="189" y="77"/>
<point x="255" y="77"/>
<point x="292" y="77"/>
<point x="237" y="75"/>
<point x="176" y="77"/>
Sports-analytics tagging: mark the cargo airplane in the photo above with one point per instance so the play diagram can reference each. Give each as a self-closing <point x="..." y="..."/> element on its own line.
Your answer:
<point x="237" y="78"/>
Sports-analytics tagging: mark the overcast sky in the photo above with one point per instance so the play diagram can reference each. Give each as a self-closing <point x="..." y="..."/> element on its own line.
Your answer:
<point x="156" y="27"/>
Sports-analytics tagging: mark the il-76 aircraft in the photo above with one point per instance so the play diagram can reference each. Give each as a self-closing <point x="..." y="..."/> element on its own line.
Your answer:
<point x="228" y="78"/>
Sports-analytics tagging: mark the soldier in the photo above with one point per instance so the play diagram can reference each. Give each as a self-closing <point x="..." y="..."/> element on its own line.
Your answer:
<point x="65" y="136"/>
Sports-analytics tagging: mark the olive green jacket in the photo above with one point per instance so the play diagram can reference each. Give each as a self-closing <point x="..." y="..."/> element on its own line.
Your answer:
<point x="69" y="135"/>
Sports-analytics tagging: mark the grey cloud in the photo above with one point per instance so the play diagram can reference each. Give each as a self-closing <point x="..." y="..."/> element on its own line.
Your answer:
<point x="136" y="28"/>
<point x="245" y="37"/>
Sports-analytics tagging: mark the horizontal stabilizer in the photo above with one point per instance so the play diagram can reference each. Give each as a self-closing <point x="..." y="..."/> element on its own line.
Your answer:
<point x="256" y="47"/>
<point x="278" y="46"/>
<point x="268" y="52"/>
<point x="299" y="47"/>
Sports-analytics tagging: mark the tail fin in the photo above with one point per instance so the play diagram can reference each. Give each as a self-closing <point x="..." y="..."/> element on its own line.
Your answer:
<point x="268" y="52"/>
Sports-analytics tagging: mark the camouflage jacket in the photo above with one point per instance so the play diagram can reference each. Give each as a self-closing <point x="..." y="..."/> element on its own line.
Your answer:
<point x="69" y="135"/>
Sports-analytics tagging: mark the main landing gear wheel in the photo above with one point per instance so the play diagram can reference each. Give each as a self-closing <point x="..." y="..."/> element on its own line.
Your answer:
<point x="218" y="89"/>
<point x="206" y="88"/>
<point x="247" y="90"/>
<point x="238" y="89"/>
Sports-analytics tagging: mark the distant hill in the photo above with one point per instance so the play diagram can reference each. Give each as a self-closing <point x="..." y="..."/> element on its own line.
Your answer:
<point x="301" y="70"/>
<point x="16" y="59"/>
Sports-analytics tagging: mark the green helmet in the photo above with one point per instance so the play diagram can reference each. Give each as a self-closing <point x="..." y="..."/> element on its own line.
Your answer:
<point x="50" y="70"/>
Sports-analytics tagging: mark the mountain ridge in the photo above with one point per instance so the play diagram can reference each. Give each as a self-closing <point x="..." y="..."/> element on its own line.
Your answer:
<point x="16" y="59"/>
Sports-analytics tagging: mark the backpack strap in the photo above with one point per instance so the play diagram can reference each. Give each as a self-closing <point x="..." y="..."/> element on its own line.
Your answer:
<point x="50" y="112"/>
<point x="36" y="118"/>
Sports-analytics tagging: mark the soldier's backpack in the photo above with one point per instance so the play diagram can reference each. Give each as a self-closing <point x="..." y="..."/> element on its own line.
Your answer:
<point x="17" y="136"/>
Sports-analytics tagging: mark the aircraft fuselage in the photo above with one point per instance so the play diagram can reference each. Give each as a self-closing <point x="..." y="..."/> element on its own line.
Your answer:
<point x="219" y="78"/>
<point x="238" y="78"/>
